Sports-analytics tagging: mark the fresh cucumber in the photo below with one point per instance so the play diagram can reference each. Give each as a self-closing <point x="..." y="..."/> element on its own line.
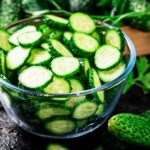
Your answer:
<point x="94" y="82"/>
<point x="67" y="37"/>
<point x="45" y="46"/>
<point x="97" y="36"/>
<point x="17" y="57"/>
<point x="30" y="39"/>
<point x="58" y="49"/>
<point x="76" y="86"/>
<point x="35" y="77"/>
<point x="106" y="57"/>
<point x="81" y="22"/>
<point x="65" y="66"/>
<point x="39" y="56"/>
<point x="58" y="85"/>
<point x="109" y="75"/>
<point x="4" y="43"/>
<point x="60" y="126"/>
<point x="100" y="110"/>
<point x="53" y="112"/>
<point x="84" y="110"/>
<point x="2" y="63"/>
<point x="115" y="38"/>
<point x="56" y="147"/>
<point x="55" y="21"/>
<point x="81" y="123"/>
<point x="57" y="34"/>
<point x="83" y="44"/>
<point x="131" y="128"/>
<point x="13" y="39"/>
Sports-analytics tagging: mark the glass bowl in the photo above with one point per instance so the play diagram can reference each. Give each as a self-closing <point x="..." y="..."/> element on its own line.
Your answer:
<point x="22" y="105"/>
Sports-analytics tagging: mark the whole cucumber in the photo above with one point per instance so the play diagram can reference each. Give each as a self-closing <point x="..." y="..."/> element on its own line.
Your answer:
<point x="130" y="128"/>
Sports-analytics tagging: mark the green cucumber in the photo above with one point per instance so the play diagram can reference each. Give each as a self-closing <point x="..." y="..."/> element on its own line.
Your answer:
<point x="2" y="63"/>
<point x="57" y="34"/>
<point x="60" y="126"/>
<point x="130" y="128"/>
<point x="39" y="56"/>
<point x="97" y="36"/>
<point x="35" y="77"/>
<point x="67" y="37"/>
<point x="17" y="57"/>
<point x="81" y="22"/>
<point x="84" y="110"/>
<point x="100" y="110"/>
<point x="65" y="66"/>
<point x="94" y="82"/>
<point x="106" y="57"/>
<point x="83" y="44"/>
<point x="4" y="43"/>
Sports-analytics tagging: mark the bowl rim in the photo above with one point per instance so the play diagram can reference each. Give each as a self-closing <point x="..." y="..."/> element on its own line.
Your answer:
<point x="122" y="77"/>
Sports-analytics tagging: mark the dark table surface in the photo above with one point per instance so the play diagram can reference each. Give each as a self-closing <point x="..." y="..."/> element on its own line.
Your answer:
<point x="14" y="138"/>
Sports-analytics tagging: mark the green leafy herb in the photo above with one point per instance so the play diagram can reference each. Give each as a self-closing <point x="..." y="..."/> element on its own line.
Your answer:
<point x="143" y="76"/>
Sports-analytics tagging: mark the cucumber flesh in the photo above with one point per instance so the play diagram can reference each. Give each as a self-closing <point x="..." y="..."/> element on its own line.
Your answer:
<point x="65" y="66"/>
<point x="17" y="57"/>
<point x="109" y="75"/>
<point x="100" y="110"/>
<point x="84" y="110"/>
<point x="13" y="39"/>
<point x="35" y="77"/>
<point x="106" y="57"/>
<point x="81" y="22"/>
<point x="60" y="126"/>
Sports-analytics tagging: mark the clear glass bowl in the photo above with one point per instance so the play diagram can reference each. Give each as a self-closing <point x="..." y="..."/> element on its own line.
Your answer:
<point x="21" y="104"/>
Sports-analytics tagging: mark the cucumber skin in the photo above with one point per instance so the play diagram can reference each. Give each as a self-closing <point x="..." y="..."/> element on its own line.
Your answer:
<point x="130" y="128"/>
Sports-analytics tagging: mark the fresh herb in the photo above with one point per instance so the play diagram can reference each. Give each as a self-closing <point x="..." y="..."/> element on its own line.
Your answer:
<point x="143" y="75"/>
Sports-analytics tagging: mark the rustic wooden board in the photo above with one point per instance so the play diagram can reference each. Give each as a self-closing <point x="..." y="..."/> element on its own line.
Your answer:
<point x="140" y="39"/>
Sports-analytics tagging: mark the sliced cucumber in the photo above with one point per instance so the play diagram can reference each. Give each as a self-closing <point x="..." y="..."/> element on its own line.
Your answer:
<point x="97" y="36"/>
<point x="35" y="77"/>
<point x="106" y="57"/>
<point x="60" y="126"/>
<point x="58" y="49"/>
<point x="17" y="57"/>
<point x="39" y="56"/>
<point x="14" y="37"/>
<point x="67" y="37"/>
<point x="4" y="43"/>
<point x="55" y="21"/>
<point x="65" y="66"/>
<point x="76" y="86"/>
<point x="53" y="112"/>
<point x="81" y="22"/>
<point x="3" y="63"/>
<point x="57" y="34"/>
<point x="95" y="82"/>
<point x="45" y="46"/>
<point x="115" y="38"/>
<point x="59" y="85"/>
<point x="84" y="110"/>
<point x="83" y="44"/>
<point x="109" y="75"/>
<point x="100" y="110"/>
<point x="30" y="39"/>
<point x="56" y="147"/>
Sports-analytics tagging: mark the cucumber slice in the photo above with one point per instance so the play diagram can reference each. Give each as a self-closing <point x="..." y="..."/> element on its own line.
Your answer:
<point x="97" y="36"/>
<point x="55" y="21"/>
<point x="100" y="110"/>
<point x="14" y="37"/>
<point x="56" y="147"/>
<point x="76" y="86"/>
<point x="94" y="82"/>
<point x="59" y="85"/>
<point x="60" y="126"/>
<point x="39" y="57"/>
<point x="30" y="39"/>
<point x="35" y="77"/>
<point x="58" y="49"/>
<point x="115" y="38"/>
<point x="65" y="66"/>
<point x="106" y="57"/>
<point x="67" y="37"/>
<point x="4" y="43"/>
<point x="81" y="22"/>
<point x="53" y="112"/>
<point x="84" y="110"/>
<point x="3" y="63"/>
<point x="83" y="44"/>
<point x="17" y="57"/>
<point x="109" y="75"/>
<point x="57" y="34"/>
<point x="45" y="46"/>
